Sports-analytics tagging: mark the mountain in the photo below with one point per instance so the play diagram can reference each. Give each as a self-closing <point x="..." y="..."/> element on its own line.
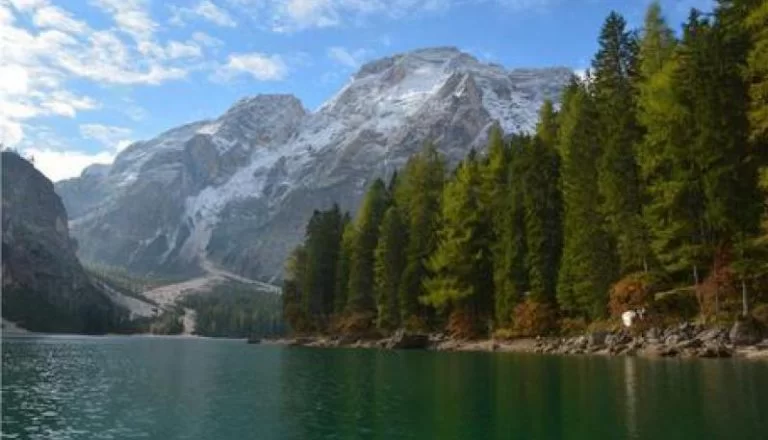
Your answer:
<point x="44" y="286"/>
<point x="236" y="192"/>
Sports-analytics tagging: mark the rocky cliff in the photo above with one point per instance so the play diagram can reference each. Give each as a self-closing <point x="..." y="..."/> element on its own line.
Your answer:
<point x="44" y="287"/>
<point x="237" y="191"/>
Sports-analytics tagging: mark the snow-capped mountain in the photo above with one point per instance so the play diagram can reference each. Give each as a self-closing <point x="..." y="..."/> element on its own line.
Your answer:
<point x="237" y="191"/>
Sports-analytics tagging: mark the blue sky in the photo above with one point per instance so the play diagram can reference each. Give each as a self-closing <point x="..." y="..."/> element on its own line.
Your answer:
<point x="81" y="79"/>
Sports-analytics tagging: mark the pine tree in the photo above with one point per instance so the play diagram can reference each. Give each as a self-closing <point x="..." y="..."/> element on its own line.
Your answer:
<point x="389" y="266"/>
<point x="757" y="72"/>
<point x="614" y="94"/>
<point x="461" y="265"/>
<point x="342" y="267"/>
<point x="293" y="312"/>
<point x="418" y="198"/>
<point x="543" y="208"/>
<point x="367" y="223"/>
<point x="510" y="270"/>
<point x="322" y="245"/>
<point x="587" y="268"/>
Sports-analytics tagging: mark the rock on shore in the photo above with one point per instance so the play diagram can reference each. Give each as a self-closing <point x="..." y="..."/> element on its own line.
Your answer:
<point x="683" y="340"/>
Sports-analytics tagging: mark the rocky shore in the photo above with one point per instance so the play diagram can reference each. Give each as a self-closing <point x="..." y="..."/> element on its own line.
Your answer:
<point x="742" y="340"/>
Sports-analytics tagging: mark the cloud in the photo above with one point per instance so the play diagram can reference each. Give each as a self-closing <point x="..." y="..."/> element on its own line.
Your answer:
<point x="55" y="18"/>
<point x="346" y="58"/>
<point x="260" y="66"/>
<point x="110" y="136"/>
<point x="44" y="49"/>
<point x="287" y="16"/>
<point x="205" y="10"/>
<point x="206" y="40"/>
<point x="131" y="17"/>
<point x="59" y="165"/>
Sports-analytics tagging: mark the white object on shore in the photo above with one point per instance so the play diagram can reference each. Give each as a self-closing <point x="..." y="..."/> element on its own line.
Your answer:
<point x="629" y="316"/>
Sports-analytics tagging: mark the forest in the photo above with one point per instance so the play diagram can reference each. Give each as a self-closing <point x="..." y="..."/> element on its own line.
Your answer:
<point x="644" y="187"/>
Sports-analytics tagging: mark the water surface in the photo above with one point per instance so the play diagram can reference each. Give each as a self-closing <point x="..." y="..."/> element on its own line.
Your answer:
<point x="176" y="388"/>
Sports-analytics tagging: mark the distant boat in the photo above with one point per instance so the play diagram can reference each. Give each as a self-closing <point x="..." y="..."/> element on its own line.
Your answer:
<point x="254" y="340"/>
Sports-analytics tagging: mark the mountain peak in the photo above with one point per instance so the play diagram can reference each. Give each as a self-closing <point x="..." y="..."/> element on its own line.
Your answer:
<point x="264" y="100"/>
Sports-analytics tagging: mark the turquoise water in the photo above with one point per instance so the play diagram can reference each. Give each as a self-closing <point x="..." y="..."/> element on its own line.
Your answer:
<point x="166" y="388"/>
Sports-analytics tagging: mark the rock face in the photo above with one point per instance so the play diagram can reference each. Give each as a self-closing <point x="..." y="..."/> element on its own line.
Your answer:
<point x="238" y="191"/>
<point x="745" y="332"/>
<point x="44" y="286"/>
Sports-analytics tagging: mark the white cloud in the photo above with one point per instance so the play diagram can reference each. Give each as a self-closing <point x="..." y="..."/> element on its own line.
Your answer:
<point x="297" y="15"/>
<point x="177" y="49"/>
<point x="346" y="58"/>
<point x="260" y="66"/>
<point x="204" y="9"/>
<point x="206" y="40"/>
<point x="110" y="136"/>
<point x="55" y="18"/>
<point x="59" y="165"/>
<point x="45" y="48"/>
<point x="131" y="17"/>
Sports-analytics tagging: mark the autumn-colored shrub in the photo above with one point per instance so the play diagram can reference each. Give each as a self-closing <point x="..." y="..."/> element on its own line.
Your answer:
<point x="532" y="318"/>
<point x="631" y="292"/>
<point x="718" y="294"/>
<point x="461" y="324"/>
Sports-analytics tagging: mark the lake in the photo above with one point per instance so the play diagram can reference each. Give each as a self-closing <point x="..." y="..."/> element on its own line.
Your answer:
<point x="71" y="387"/>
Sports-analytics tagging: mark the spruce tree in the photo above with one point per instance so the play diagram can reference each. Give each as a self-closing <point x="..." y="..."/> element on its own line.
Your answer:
<point x="510" y="269"/>
<point x="389" y="267"/>
<point x="418" y="198"/>
<point x="461" y="266"/>
<point x="322" y="245"/>
<point x="367" y="224"/>
<point x="543" y="208"/>
<point x="342" y="267"/>
<point x="757" y="72"/>
<point x="588" y="267"/>
<point x="614" y="93"/>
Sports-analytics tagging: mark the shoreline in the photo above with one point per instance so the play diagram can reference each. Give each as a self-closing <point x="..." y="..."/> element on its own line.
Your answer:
<point x="682" y="341"/>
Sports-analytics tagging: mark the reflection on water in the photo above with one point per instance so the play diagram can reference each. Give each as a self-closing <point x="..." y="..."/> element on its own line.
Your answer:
<point x="160" y="388"/>
<point x="631" y="399"/>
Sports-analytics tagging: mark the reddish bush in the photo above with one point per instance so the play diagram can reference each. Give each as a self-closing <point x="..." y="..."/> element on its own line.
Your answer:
<point x="631" y="292"/>
<point x="461" y="324"/>
<point x="532" y="318"/>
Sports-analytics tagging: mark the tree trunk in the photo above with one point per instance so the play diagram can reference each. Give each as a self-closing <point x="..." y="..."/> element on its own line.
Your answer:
<point x="744" y="302"/>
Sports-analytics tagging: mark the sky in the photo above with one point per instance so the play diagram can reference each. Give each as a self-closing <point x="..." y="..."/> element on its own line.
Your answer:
<point x="82" y="79"/>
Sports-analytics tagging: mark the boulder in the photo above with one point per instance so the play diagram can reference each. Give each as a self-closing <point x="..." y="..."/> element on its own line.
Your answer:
<point x="745" y="332"/>
<point x="596" y="339"/>
<point x="714" y="350"/>
<point x="403" y="340"/>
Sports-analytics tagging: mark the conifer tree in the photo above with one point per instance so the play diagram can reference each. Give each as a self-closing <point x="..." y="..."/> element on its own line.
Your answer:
<point x="614" y="94"/>
<point x="757" y="72"/>
<point x="510" y="270"/>
<point x="342" y="267"/>
<point x="418" y="198"/>
<point x="389" y="266"/>
<point x="461" y="266"/>
<point x="543" y="208"/>
<point x="322" y="253"/>
<point x="367" y="224"/>
<point x="587" y="268"/>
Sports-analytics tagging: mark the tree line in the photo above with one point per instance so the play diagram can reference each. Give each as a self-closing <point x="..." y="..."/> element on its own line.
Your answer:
<point x="645" y="184"/>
